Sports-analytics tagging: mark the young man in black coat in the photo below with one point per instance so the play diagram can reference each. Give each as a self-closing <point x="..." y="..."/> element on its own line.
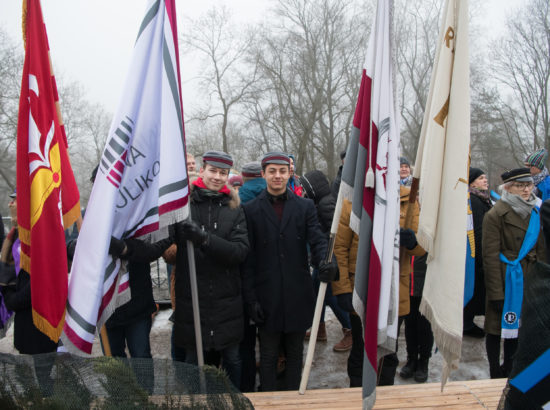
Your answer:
<point x="279" y="291"/>
<point x="217" y="229"/>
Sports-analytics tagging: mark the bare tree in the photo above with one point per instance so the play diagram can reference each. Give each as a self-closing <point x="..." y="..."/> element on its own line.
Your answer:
<point x="225" y="77"/>
<point x="521" y="63"/>
<point x="11" y="65"/>
<point x="310" y="65"/>
<point x="416" y="28"/>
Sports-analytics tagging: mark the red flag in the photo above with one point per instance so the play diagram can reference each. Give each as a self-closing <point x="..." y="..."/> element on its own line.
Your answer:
<point x="47" y="195"/>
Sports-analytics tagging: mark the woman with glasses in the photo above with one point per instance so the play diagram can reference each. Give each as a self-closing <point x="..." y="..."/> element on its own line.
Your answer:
<point x="512" y="243"/>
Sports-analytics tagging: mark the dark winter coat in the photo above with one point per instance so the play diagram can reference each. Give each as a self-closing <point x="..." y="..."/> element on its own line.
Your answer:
<point x="27" y="339"/>
<point x="418" y="276"/>
<point x="503" y="231"/>
<point x="336" y="183"/>
<point x="480" y="207"/>
<point x="142" y="304"/>
<point x="218" y="273"/>
<point x="251" y="189"/>
<point x="276" y="271"/>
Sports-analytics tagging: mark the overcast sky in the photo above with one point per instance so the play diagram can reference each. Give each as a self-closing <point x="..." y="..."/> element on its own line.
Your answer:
<point x="91" y="41"/>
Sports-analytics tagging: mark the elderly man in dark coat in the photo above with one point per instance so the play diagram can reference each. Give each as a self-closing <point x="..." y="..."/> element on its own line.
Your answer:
<point x="278" y="285"/>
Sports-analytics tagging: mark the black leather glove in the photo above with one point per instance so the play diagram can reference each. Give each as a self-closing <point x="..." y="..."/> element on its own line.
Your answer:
<point x="407" y="238"/>
<point x="498" y="305"/>
<point x="117" y="248"/>
<point x="328" y="272"/>
<point x="345" y="302"/>
<point x="256" y="313"/>
<point x="193" y="232"/>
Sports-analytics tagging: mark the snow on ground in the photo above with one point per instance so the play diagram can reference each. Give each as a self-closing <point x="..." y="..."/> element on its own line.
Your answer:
<point x="329" y="368"/>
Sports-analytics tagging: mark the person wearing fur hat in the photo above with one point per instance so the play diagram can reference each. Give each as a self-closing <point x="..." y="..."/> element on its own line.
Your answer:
<point x="541" y="178"/>
<point x="480" y="201"/>
<point x="512" y="242"/>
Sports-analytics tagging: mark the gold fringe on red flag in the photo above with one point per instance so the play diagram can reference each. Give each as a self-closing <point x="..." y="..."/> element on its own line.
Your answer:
<point x="24" y="23"/>
<point x="45" y="327"/>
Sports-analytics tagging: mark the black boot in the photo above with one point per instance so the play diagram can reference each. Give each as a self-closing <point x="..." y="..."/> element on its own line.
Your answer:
<point x="408" y="370"/>
<point x="421" y="373"/>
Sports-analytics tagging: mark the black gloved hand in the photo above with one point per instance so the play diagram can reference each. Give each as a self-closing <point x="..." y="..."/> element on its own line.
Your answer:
<point x="407" y="238"/>
<point x="328" y="272"/>
<point x="117" y="248"/>
<point x="256" y="313"/>
<point x="498" y="305"/>
<point x="193" y="232"/>
<point x="345" y="302"/>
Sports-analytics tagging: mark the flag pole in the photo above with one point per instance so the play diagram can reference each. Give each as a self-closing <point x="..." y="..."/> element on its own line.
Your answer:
<point x="195" y="302"/>
<point x="316" y="320"/>
<point x="105" y="341"/>
<point x="410" y="206"/>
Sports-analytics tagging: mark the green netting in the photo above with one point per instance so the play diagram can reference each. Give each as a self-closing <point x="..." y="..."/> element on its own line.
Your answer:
<point x="64" y="381"/>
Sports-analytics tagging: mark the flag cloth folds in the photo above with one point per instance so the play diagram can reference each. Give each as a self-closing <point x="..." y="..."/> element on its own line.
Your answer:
<point x="442" y="167"/>
<point x="141" y="186"/>
<point x="370" y="180"/>
<point x="47" y="195"/>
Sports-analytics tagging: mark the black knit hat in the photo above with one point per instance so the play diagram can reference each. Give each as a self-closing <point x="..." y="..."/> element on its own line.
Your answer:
<point x="342" y="154"/>
<point x="518" y="174"/>
<point x="218" y="159"/>
<point x="405" y="161"/>
<point x="475" y="173"/>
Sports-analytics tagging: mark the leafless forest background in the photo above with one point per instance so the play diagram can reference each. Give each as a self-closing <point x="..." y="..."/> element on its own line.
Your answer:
<point x="291" y="84"/>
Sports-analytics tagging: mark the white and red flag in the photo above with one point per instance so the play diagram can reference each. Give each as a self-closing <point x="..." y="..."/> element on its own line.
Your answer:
<point x="442" y="168"/>
<point x="370" y="179"/>
<point x="141" y="186"/>
<point x="47" y="195"/>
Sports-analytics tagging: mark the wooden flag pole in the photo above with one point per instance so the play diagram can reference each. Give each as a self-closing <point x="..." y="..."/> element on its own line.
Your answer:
<point x="105" y="341"/>
<point x="316" y="320"/>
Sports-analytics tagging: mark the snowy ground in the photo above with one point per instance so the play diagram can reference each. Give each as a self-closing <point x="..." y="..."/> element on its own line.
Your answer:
<point x="329" y="367"/>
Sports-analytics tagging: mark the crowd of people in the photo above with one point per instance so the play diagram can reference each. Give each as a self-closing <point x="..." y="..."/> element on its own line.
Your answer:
<point x="260" y="240"/>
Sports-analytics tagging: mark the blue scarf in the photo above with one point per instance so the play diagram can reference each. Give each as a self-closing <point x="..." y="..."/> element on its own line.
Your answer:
<point x="513" y="292"/>
<point x="470" y="273"/>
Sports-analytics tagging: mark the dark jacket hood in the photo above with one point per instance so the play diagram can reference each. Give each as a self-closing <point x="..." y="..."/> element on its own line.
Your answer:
<point x="316" y="185"/>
